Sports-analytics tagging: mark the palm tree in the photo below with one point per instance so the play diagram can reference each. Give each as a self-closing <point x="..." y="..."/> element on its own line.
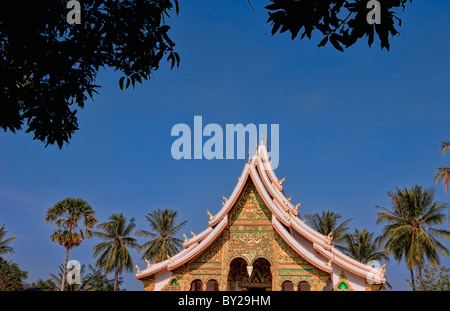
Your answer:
<point x="409" y="232"/>
<point x="361" y="246"/>
<point x="328" y="223"/>
<point x="162" y="243"/>
<point x="443" y="171"/>
<point x="84" y="280"/>
<point x="113" y="253"/>
<point x="4" y="248"/>
<point x="74" y="219"/>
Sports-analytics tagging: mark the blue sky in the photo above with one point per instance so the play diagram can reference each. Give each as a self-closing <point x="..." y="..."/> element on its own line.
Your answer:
<point x="353" y="126"/>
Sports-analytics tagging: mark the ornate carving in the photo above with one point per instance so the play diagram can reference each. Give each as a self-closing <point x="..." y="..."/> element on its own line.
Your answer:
<point x="342" y="284"/>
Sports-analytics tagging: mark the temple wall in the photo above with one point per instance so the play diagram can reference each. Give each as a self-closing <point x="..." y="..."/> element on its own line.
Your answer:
<point x="356" y="282"/>
<point x="161" y="279"/>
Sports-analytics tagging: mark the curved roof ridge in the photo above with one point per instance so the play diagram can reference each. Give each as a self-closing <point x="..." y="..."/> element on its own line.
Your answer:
<point x="279" y="213"/>
<point x="301" y="227"/>
<point x="199" y="247"/>
<point x="269" y="168"/>
<point x="302" y="251"/>
<point x="356" y="267"/>
<point x="233" y="197"/>
<point x="275" y="192"/>
<point x="354" y="262"/>
<point x="197" y="237"/>
<point x="157" y="267"/>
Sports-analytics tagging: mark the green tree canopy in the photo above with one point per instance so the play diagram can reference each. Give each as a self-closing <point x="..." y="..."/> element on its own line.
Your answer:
<point x="435" y="278"/>
<point x="11" y="277"/>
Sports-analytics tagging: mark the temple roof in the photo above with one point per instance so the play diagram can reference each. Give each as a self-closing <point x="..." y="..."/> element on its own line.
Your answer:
<point x="285" y="217"/>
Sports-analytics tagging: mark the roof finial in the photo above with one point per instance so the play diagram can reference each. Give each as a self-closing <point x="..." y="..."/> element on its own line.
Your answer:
<point x="330" y="261"/>
<point x="383" y="270"/>
<point x="185" y="238"/>
<point x="148" y="264"/>
<point x="281" y="181"/>
<point x="137" y="268"/>
<point x="209" y="214"/>
<point x="288" y="216"/>
<point x="330" y="237"/>
<point x="249" y="153"/>
<point x="297" y="206"/>
<point x="193" y="234"/>
<point x="170" y="259"/>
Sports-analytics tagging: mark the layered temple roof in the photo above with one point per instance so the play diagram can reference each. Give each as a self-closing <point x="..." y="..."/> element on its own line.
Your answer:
<point x="285" y="220"/>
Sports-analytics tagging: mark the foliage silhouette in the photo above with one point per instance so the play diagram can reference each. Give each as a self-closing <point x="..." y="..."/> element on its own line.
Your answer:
<point x="48" y="67"/>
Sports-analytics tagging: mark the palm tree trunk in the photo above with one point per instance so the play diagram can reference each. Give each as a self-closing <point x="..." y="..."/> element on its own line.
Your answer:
<point x="412" y="279"/>
<point x="420" y="277"/>
<point x="63" y="278"/>
<point x="116" y="278"/>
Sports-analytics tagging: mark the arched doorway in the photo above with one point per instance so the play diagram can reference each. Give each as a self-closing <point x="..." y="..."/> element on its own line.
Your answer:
<point x="196" y="286"/>
<point x="212" y="286"/>
<point x="237" y="273"/>
<point x="259" y="276"/>
<point x="304" y="286"/>
<point x="287" y="286"/>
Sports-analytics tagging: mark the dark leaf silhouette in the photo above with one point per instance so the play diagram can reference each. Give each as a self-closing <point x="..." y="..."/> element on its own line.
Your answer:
<point x="48" y="67"/>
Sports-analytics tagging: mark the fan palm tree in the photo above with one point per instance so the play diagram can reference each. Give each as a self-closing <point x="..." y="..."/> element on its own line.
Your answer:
<point x="443" y="171"/>
<point x="113" y="254"/>
<point x="328" y="223"/>
<point x="4" y="248"/>
<point x="162" y="243"/>
<point x="74" y="219"/>
<point x="410" y="231"/>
